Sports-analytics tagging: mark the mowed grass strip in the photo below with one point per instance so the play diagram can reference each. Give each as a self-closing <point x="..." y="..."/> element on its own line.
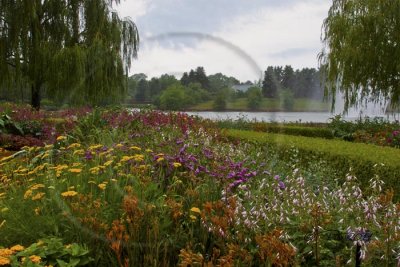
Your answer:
<point x="365" y="160"/>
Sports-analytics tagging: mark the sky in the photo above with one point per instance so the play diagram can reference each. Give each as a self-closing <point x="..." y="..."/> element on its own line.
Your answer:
<point x="239" y="38"/>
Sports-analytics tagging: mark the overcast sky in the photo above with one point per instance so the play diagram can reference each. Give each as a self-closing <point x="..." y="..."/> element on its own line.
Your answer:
<point x="236" y="37"/>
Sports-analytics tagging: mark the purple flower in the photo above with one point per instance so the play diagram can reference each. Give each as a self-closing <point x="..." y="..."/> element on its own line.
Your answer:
<point x="281" y="185"/>
<point x="207" y="153"/>
<point x="88" y="155"/>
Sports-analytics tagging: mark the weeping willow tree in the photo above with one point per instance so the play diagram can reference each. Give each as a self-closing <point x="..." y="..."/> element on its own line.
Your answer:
<point x="73" y="50"/>
<point x="362" y="51"/>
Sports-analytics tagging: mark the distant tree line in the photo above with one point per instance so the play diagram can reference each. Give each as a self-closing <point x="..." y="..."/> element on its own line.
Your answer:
<point x="194" y="87"/>
<point x="303" y="83"/>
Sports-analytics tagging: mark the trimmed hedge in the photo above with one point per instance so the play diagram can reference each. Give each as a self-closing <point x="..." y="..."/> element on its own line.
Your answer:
<point x="364" y="160"/>
<point x="294" y="130"/>
<point x="288" y="128"/>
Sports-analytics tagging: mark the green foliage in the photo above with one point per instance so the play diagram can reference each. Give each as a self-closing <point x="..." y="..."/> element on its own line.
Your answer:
<point x="270" y="83"/>
<point x="173" y="98"/>
<point x="254" y="98"/>
<point x="362" y="160"/>
<point x="287" y="99"/>
<point x="80" y="55"/>
<point x="7" y="125"/>
<point x="300" y="129"/>
<point x="351" y="131"/>
<point x="361" y="42"/>
<point x="219" y="103"/>
<point x="52" y="252"/>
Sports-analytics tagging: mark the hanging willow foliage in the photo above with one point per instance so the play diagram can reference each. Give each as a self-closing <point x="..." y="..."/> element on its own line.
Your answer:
<point x="362" y="52"/>
<point x="77" y="51"/>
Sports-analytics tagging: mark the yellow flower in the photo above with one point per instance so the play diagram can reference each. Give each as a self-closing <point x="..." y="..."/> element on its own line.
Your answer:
<point x="193" y="217"/>
<point x="69" y="193"/>
<point x="4" y="261"/>
<point x="195" y="210"/>
<point x="94" y="147"/>
<point x="74" y="145"/>
<point x="38" y="196"/>
<point x="28" y="194"/>
<point x="94" y="170"/>
<point x="177" y="164"/>
<point x="135" y="148"/>
<point x="102" y="186"/>
<point x="79" y="152"/>
<point x="138" y="157"/>
<point x="17" y="248"/>
<point x="35" y="259"/>
<point x="2" y="195"/>
<point x="37" y="211"/>
<point x="108" y="163"/>
<point x="61" y="138"/>
<point x="126" y="158"/>
<point x="60" y="167"/>
<point x="119" y="145"/>
<point x="49" y="147"/>
<point x="160" y="159"/>
<point x="37" y="186"/>
<point x="6" y="158"/>
<point x="75" y="170"/>
<point x="76" y="164"/>
<point x="149" y="150"/>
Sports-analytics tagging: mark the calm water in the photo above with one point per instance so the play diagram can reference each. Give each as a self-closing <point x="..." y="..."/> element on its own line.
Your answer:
<point x="277" y="116"/>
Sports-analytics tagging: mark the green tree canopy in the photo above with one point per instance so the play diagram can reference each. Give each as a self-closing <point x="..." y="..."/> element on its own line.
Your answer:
<point x="75" y="49"/>
<point x="254" y="98"/>
<point x="173" y="97"/>
<point x="361" y="51"/>
<point x="270" y="83"/>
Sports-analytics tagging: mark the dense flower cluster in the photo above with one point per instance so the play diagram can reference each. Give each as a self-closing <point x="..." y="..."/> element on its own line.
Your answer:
<point x="165" y="189"/>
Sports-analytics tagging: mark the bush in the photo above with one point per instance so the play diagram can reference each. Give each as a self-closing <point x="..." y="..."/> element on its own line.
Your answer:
<point x="219" y="103"/>
<point x="254" y="98"/>
<point x="294" y="130"/>
<point x="173" y="98"/>
<point x="287" y="99"/>
<point x="364" y="161"/>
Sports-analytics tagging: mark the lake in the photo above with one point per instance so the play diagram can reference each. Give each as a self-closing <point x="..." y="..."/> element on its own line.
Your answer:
<point x="279" y="116"/>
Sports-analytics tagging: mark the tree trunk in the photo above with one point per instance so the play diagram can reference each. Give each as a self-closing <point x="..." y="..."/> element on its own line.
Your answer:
<point x="36" y="97"/>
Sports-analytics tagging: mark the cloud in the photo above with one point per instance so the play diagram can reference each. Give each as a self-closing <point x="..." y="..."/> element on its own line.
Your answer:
<point x="283" y="32"/>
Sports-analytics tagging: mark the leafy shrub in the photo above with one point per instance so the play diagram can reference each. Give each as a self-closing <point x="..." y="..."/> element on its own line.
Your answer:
<point x="219" y="103"/>
<point x="293" y="130"/>
<point x="287" y="99"/>
<point x="367" y="130"/>
<point x="254" y="98"/>
<point x="49" y="252"/>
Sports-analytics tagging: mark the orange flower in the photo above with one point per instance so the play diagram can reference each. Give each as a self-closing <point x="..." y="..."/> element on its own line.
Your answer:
<point x="69" y="194"/>
<point x="4" y="261"/>
<point x="17" y="248"/>
<point x="35" y="259"/>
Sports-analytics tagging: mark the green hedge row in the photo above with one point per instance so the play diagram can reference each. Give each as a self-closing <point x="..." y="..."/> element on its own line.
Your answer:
<point x="290" y="129"/>
<point x="294" y="130"/>
<point x="364" y="160"/>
